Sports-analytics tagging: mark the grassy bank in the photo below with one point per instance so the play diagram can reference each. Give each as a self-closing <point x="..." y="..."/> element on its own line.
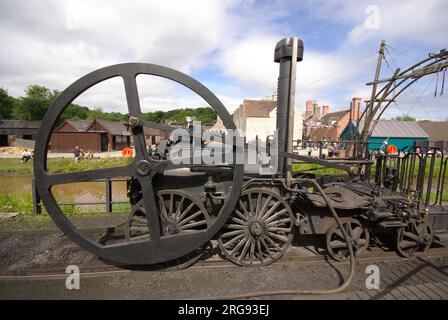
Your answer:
<point x="25" y="222"/>
<point x="59" y="165"/>
<point x="314" y="168"/>
<point x="22" y="202"/>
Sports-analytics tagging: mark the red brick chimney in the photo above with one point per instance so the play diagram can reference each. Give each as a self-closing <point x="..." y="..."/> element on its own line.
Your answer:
<point x="309" y="108"/>
<point x="325" y="109"/>
<point x="356" y="106"/>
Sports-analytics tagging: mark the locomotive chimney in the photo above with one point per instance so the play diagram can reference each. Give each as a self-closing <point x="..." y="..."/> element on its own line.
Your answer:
<point x="287" y="52"/>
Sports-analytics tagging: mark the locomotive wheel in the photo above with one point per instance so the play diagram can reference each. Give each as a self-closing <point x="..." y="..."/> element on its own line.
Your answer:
<point x="259" y="231"/>
<point x="157" y="248"/>
<point x="415" y="236"/>
<point x="335" y="242"/>
<point x="179" y="213"/>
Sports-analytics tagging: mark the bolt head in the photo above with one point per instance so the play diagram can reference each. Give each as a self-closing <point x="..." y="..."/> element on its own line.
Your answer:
<point x="133" y="121"/>
<point x="143" y="168"/>
<point x="256" y="229"/>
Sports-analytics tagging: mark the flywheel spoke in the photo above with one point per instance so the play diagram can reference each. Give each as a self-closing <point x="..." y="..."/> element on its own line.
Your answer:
<point x="85" y="176"/>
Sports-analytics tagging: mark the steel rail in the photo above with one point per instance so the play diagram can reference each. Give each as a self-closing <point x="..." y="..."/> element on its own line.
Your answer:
<point x="294" y="260"/>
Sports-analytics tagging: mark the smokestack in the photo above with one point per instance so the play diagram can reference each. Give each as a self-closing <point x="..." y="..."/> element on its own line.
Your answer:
<point x="287" y="52"/>
<point x="356" y="104"/>
<point x="325" y="110"/>
<point x="309" y="108"/>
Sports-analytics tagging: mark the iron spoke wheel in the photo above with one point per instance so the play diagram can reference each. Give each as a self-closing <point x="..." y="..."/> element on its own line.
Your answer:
<point x="335" y="242"/>
<point x="158" y="247"/>
<point x="179" y="213"/>
<point x="259" y="231"/>
<point x="415" y="236"/>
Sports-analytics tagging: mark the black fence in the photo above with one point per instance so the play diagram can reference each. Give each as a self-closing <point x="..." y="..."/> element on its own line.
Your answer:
<point x="419" y="172"/>
<point x="37" y="204"/>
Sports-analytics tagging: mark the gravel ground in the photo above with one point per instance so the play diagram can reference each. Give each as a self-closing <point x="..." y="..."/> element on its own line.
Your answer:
<point x="218" y="282"/>
<point x="50" y="248"/>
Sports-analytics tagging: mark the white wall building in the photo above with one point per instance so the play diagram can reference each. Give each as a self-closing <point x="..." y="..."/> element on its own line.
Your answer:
<point x="259" y="118"/>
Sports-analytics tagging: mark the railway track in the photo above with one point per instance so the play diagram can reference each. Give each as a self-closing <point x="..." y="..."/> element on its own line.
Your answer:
<point x="108" y="270"/>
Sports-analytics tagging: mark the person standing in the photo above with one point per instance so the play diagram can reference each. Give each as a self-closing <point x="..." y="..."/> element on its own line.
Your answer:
<point x="77" y="152"/>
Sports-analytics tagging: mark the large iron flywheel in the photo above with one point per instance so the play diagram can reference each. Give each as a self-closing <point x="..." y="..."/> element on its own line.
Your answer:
<point x="157" y="247"/>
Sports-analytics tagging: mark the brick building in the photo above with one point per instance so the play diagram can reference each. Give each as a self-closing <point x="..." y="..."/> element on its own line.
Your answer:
<point x="327" y="125"/>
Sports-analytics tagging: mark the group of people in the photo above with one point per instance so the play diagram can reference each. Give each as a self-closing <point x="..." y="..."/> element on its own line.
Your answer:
<point x="80" y="154"/>
<point x="332" y="147"/>
<point x="77" y="152"/>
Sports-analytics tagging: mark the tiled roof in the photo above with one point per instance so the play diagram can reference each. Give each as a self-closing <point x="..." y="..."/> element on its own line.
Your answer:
<point x="258" y="108"/>
<point x="19" y="124"/>
<point x="396" y="129"/>
<point x="114" y="127"/>
<point x="333" y="116"/>
<point x="79" y="125"/>
<point x="437" y="131"/>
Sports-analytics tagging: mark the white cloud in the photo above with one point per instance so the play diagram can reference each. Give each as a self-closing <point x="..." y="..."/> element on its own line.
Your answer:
<point x="53" y="43"/>
<point x="250" y="62"/>
<point x="415" y="21"/>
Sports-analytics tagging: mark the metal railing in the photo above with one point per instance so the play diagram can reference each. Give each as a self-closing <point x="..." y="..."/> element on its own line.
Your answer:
<point x="37" y="204"/>
<point x="417" y="172"/>
<point x="350" y="148"/>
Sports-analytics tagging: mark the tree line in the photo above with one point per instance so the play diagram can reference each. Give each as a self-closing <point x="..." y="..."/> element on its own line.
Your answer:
<point x="38" y="99"/>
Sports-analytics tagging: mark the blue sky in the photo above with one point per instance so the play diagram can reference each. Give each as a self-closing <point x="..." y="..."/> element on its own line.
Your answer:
<point x="227" y="45"/>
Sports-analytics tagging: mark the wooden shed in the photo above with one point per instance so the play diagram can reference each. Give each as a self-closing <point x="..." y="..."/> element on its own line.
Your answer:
<point x="10" y="130"/>
<point x="402" y="134"/>
<point x="73" y="133"/>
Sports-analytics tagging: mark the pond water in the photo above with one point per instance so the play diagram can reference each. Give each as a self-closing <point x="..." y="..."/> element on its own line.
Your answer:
<point x="83" y="192"/>
<point x="88" y="192"/>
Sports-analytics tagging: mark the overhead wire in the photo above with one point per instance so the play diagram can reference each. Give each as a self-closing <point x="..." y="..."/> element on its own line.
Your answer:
<point x="418" y="97"/>
<point x="410" y="88"/>
<point x="403" y="53"/>
<point x="335" y="72"/>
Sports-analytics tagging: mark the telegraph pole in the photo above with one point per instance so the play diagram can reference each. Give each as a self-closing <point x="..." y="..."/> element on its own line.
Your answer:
<point x="369" y="112"/>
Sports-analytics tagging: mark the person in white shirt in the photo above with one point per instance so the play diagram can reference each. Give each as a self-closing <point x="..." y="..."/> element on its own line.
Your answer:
<point x="26" y="155"/>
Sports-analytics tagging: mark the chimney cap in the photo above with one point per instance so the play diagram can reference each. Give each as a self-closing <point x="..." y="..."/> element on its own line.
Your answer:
<point x="283" y="49"/>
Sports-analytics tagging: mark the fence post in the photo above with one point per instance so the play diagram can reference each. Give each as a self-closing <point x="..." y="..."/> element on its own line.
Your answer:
<point x="36" y="199"/>
<point x="256" y="144"/>
<point x="108" y="195"/>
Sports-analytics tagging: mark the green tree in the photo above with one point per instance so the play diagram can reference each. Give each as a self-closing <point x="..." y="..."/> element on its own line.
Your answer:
<point x="156" y="117"/>
<point x="6" y="104"/>
<point x="35" y="103"/>
<point x="205" y="115"/>
<point x="405" y="118"/>
<point x="98" y="113"/>
<point x="75" y="112"/>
